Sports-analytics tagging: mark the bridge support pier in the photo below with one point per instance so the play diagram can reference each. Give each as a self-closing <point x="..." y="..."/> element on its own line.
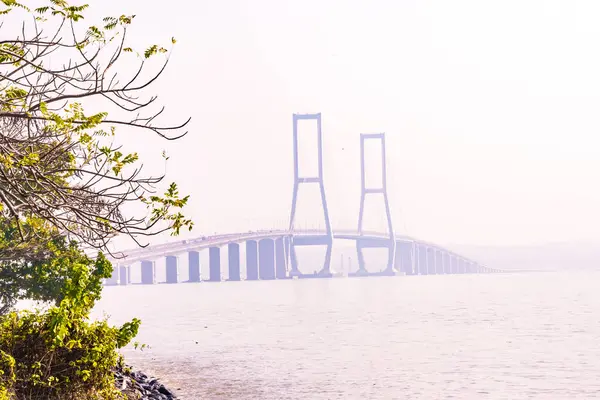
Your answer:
<point x="398" y="257"/>
<point x="362" y="269"/>
<point x="280" y="259"/>
<point x="417" y="259"/>
<point x="172" y="269"/>
<point x="411" y="265"/>
<point x="404" y="259"/>
<point x="233" y="253"/>
<point x="266" y="259"/>
<point x="124" y="275"/>
<point x="370" y="243"/>
<point x="430" y="261"/>
<point x="294" y="270"/>
<point x="461" y="266"/>
<point x="439" y="262"/>
<point x="446" y="263"/>
<point x="194" y="266"/>
<point x="148" y="272"/>
<point x="251" y="260"/>
<point x="423" y="268"/>
<point x="214" y="264"/>
<point x="114" y="278"/>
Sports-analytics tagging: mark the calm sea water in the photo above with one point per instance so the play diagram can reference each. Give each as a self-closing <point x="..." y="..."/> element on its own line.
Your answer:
<point x="509" y="336"/>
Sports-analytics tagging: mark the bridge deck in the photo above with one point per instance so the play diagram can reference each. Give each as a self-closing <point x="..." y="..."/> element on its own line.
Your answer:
<point x="204" y="242"/>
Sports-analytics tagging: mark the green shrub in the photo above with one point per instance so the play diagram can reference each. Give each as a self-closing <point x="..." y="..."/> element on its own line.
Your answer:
<point x="35" y="365"/>
<point x="60" y="353"/>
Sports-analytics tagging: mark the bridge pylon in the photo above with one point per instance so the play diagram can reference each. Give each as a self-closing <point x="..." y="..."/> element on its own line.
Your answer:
<point x="381" y="190"/>
<point x="327" y="238"/>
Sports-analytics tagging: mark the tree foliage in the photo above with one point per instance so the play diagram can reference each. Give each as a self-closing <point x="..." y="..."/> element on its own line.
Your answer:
<point x="64" y="185"/>
<point x="59" y="167"/>
<point x="59" y="353"/>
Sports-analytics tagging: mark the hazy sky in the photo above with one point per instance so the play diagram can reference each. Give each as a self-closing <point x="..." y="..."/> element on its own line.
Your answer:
<point x="491" y="111"/>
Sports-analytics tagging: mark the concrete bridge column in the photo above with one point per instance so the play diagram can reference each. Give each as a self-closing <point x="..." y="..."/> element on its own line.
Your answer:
<point x="404" y="257"/>
<point x="413" y="259"/>
<point x="123" y="275"/>
<point x="294" y="270"/>
<point x="214" y="264"/>
<point x="461" y="266"/>
<point x="423" y="267"/>
<point x="251" y="260"/>
<point x="455" y="267"/>
<point x="172" y="272"/>
<point x="266" y="259"/>
<point x="360" y="257"/>
<point x="430" y="261"/>
<point x="398" y="257"/>
<point x="444" y="262"/>
<point x="114" y="278"/>
<point x="280" y="259"/>
<point x="288" y="253"/>
<point x="194" y="266"/>
<point x="148" y="272"/>
<point x="233" y="252"/>
<point x="439" y="262"/>
<point x="416" y="267"/>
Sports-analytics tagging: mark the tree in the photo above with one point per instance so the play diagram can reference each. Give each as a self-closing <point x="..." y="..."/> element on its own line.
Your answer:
<point x="64" y="185"/>
<point x="58" y="166"/>
<point x="62" y="178"/>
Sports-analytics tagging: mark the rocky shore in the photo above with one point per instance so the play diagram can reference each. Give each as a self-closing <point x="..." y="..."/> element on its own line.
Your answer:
<point x="139" y="386"/>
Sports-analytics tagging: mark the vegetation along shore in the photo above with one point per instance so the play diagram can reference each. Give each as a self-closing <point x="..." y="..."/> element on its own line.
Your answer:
<point x="68" y="94"/>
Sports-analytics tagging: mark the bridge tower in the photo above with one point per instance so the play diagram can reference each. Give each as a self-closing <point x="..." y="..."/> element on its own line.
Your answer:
<point x="310" y="240"/>
<point x="381" y="190"/>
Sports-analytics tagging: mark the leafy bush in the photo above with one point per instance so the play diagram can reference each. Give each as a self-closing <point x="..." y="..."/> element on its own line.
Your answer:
<point x="36" y="365"/>
<point x="60" y="353"/>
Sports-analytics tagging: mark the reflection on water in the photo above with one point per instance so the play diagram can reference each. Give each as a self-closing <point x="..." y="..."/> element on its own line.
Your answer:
<point x="513" y="336"/>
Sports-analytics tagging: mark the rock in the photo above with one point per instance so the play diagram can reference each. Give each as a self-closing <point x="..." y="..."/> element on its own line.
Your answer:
<point x="140" y="385"/>
<point x="162" y="389"/>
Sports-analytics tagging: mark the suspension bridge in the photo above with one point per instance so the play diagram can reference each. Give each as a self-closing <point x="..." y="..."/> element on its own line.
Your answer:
<point x="272" y="254"/>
